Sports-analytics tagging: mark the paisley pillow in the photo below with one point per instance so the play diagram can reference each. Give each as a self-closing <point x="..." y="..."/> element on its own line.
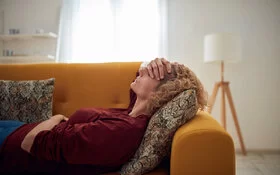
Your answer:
<point x="26" y="101"/>
<point x="156" y="143"/>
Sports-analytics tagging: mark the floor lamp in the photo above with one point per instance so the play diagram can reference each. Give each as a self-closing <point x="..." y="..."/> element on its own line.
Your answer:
<point x="223" y="47"/>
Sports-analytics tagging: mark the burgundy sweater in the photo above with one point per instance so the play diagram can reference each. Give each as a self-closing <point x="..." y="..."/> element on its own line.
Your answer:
<point x="92" y="141"/>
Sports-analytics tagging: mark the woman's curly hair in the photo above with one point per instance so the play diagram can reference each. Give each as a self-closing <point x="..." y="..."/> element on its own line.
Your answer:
<point x="181" y="78"/>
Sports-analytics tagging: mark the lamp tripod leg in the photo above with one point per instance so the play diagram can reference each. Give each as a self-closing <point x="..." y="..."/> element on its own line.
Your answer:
<point x="212" y="99"/>
<point x="223" y="107"/>
<point x="227" y="91"/>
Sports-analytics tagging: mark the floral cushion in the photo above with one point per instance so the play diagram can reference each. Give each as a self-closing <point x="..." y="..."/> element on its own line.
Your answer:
<point x="26" y="101"/>
<point x="156" y="143"/>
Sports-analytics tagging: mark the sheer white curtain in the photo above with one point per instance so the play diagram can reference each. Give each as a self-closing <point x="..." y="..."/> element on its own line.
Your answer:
<point x="68" y="19"/>
<point x="117" y="31"/>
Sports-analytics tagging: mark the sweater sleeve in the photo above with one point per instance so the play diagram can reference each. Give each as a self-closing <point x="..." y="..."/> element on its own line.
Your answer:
<point x="84" y="115"/>
<point x="91" y="143"/>
<point x="73" y="145"/>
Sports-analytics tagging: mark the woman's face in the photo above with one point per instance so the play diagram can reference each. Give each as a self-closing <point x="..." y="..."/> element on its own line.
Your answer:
<point x="144" y="85"/>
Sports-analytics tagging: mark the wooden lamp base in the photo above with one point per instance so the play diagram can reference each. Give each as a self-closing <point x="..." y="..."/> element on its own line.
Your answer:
<point x="226" y="92"/>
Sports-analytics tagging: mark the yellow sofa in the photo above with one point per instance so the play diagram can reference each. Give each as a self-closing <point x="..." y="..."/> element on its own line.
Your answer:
<point x="200" y="147"/>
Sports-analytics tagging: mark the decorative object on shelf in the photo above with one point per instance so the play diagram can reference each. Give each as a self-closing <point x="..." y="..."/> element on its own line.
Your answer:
<point x="220" y="48"/>
<point x="39" y="31"/>
<point x="14" y="31"/>
<point x="8" y="52"/>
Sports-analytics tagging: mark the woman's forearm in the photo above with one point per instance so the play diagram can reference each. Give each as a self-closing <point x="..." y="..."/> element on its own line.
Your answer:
<point x="46" y="125"/>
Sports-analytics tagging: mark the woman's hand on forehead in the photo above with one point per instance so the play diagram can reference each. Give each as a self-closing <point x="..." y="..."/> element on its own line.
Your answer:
<point x="143" y="70"/>
<point x="156" y="68"/>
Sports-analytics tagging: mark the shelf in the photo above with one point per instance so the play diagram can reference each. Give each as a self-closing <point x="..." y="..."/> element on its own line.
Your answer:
<point x="27" y="36"/>
<point x="26" y="59"/>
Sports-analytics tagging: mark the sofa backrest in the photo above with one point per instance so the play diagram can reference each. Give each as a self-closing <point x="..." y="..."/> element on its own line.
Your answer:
<point x="79" y="85"/>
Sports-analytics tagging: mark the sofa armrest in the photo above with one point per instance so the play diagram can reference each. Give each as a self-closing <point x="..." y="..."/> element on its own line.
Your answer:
<point x="201" y="147"/>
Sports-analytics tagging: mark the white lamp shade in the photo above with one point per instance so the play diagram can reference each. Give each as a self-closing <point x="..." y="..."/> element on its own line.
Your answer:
<point x="222" y="47"/>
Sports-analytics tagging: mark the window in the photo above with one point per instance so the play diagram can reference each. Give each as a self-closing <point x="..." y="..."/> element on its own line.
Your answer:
<point x="118" y="31"/>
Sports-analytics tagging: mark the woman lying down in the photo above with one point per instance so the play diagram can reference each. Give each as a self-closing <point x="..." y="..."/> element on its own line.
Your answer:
<point x="94" y="139"/>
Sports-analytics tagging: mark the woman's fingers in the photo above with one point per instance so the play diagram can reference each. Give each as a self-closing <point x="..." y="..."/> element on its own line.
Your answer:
<point x="150" y="69"/>
<point x="60" y="117"/>
<point x="167" y="65"/>
<point x="155" y="69"/>
<point x="160" y="68"/>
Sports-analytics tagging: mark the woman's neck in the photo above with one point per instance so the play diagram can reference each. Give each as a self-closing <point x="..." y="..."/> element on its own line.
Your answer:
<point x="139" y="108"/>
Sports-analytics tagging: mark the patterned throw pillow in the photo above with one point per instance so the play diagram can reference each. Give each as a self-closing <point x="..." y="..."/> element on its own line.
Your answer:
<point x="156" y="143"/>
<point x="26" y="101"/>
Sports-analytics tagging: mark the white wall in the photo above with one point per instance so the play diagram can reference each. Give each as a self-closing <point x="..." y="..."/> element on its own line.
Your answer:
<point x="28" y="15"/>
<point x="255" y="81"/>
